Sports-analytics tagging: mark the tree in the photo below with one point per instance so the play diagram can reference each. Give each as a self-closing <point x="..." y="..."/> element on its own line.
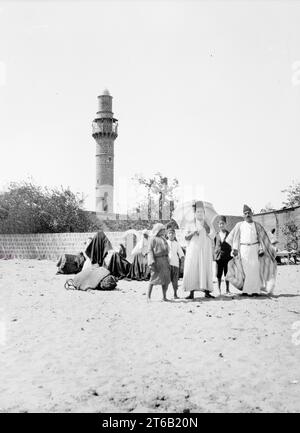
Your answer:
<point x="159" y="187"/>
<point x="293" y="195"/>
<point x="148" y="183"/>
<point x="290" y="231"/>
<point x="28" y="208"/>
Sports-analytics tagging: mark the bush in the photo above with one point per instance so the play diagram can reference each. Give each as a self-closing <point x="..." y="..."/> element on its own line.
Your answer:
<point x="28" y="208"/>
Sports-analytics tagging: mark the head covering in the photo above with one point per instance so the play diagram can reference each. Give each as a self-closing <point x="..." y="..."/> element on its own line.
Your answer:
<point x="246" y="208"/>
<point x="142" y="245"/>
<point x="171" y="230"/>
<point x="198" y="204"/>
<point x="222" y="218"/>
<point x="122" y="251"/>
<point x="98" y="248"/>
<point x="157" y="228"/>
<point x="87" y="242"/>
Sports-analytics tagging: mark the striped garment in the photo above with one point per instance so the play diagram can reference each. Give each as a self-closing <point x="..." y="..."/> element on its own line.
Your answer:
<point x="235" y="274"/>
<point x="268" y="265"/>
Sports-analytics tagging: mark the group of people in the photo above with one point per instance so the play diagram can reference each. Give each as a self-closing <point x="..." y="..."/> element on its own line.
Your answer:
<point x="157" y="256"/>
<point x="247" y="243"/>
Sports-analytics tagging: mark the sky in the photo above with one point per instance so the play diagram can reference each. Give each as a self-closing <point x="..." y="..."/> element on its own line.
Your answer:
<point x="207" y="92"/>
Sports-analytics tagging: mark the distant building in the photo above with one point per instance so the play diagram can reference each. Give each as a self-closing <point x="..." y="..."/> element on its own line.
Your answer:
<point x="276" y="219"/>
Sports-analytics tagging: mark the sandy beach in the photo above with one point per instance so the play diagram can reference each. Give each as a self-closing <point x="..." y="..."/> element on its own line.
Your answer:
<point x="72" y="351"/>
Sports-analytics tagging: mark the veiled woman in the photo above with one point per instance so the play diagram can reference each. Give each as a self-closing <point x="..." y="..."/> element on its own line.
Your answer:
<point x="116" y="262"/>
<point x="199" y="254"/>
<point x="98" y="248"/>
<point x="139" y="269"/>
<point x="100" y="251"/>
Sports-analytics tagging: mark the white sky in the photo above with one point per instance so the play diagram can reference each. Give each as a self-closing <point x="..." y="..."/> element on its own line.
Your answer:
<point x="208" y="92"/>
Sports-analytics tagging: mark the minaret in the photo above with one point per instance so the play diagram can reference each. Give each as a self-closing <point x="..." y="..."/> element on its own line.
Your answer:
<point x="105" y="131"/>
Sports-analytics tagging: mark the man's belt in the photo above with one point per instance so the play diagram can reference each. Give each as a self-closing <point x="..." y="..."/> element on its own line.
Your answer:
<point x="248" y="245"/>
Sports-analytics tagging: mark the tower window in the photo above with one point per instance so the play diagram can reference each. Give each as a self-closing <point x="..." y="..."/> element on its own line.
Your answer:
<point x="109" y="159"/>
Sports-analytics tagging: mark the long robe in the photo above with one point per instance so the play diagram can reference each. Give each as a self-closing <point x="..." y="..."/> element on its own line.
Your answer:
<point x="249" y="248"/>
<point x="260" y="272"/>
<point x="98" y="248"/>
<point x="139" y="269"/>
<point x="158" y="256"/>
<point x="198" y="260"/>
<point x="117" y="265"/>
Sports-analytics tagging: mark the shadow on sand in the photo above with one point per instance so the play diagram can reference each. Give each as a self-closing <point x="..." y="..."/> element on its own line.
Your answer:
<point x="238" y="297"/>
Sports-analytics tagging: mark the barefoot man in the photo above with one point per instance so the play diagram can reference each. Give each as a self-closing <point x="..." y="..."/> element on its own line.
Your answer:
<point x="251" y="243"/>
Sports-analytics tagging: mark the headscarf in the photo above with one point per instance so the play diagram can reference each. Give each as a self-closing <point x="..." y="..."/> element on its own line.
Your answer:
<point x="223" y="218"/>
<point x="142" y="245"/>
<point x="157" y="228"/>
<point x="98" y="248"/>
<point x="145" y="232"/>
<point x="122" y="251"/>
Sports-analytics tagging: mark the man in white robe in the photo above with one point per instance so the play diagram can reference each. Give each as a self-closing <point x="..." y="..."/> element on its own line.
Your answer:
<point x="197" y="274"/>
<point x="251" y="243"/>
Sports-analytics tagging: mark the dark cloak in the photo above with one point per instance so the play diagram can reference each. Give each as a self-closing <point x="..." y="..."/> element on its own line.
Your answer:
<point x="139" y="269"/>
<point x="118" y="265"/>
<point x="98" y="248"/>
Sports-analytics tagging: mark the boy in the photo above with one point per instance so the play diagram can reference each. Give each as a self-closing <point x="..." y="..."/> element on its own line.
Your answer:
<point x="222" y="253"/>
<point x="175" y="254"/>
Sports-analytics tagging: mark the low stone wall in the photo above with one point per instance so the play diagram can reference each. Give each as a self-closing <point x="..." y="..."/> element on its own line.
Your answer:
<point x="47" y="245"/>
<point x="52" y="245"/>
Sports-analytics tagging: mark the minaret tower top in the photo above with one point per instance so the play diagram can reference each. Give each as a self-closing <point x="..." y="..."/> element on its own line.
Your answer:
<point x="105" y="106"/>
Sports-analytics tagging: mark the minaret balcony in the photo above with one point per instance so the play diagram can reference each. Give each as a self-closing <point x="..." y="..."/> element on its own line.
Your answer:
<point x="105" y="129"/>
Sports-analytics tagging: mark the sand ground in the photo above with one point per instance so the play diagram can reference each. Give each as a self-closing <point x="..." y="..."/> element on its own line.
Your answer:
<point x="70" y="351"/>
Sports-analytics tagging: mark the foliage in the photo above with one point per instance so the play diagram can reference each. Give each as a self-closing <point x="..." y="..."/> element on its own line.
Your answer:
<point x="293" y="195"/>
<point x="158" y="189"/>
<point x="291" y="232"/>
<point x="28" y="208"/>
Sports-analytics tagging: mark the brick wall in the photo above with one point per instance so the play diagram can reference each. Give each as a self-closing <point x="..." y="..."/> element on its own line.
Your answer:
<point x="47" y="245"/>
<point x="52" y="245"/>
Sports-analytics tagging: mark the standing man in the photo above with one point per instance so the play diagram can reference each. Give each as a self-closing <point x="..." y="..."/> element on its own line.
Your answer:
<point x="222" y="253"/>
<point x="251" y="243"/>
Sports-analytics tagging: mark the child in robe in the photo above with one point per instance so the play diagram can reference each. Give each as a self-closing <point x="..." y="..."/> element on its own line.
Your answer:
<point x="158" y="261"/>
